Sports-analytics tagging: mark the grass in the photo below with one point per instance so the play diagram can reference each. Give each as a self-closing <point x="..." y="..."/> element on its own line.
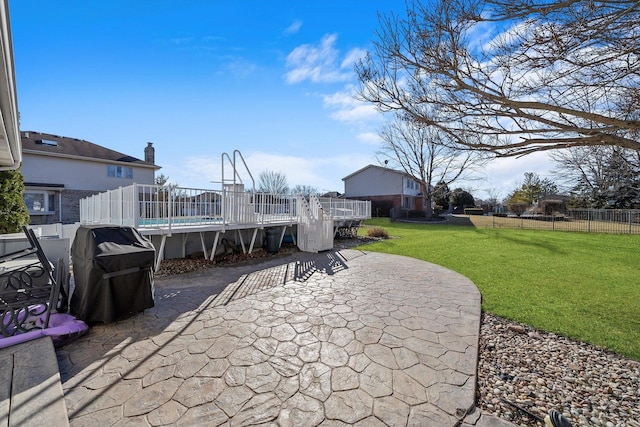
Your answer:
<point x="580" y="285"/>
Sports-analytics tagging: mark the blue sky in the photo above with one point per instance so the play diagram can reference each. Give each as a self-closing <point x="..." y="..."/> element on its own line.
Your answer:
<point x="273" y="79"/>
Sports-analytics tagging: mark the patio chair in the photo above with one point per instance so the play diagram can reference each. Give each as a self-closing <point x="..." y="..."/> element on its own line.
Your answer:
<point x="30" y="295"/>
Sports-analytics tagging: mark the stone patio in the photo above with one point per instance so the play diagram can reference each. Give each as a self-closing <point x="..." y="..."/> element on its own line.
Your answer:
<point x="337" y="338"/>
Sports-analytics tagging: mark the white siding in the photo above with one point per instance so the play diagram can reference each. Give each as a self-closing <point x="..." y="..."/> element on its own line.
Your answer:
<point x="77" y="174"/>
<point x="411" y="187"/>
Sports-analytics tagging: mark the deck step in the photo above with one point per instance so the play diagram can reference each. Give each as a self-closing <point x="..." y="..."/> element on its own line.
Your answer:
<point x="30" y="388"/>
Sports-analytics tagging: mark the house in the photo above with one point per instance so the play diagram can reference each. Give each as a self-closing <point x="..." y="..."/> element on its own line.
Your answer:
<point x="59" y="171"/>
<point x="386" y="188"/>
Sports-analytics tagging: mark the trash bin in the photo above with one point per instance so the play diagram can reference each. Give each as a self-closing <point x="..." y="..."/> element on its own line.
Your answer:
<point x="273" y="239"/>
<point x="113" y="273"/>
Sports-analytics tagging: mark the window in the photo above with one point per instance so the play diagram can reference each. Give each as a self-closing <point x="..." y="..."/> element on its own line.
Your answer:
<point x="40" y="201"/>
<point x="49" y="142"/>
<point x="119" y="171"/>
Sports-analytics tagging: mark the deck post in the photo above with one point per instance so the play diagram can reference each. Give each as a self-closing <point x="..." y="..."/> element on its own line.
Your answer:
<point x="244" y="249"/>
<point x="183" y="237"/>
<point x="215" y="246"/>
<point x="161" y="252"/>
<point x="223" y="206"/>
<point x="293" y="238"/>
<point x="170" y="208"/>
<point x="204" y="247"/>
<point x="253" y="240"/>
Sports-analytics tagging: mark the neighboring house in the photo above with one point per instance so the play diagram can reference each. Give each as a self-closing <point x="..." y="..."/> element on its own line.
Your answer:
<point x="386" y="188"/>
<point x="59" y="171"/>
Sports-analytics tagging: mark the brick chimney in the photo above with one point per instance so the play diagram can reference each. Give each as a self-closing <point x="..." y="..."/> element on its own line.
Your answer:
<point x="150" y="153"/>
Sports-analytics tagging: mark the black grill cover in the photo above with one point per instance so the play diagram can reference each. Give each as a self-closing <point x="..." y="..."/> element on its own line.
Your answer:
<point x="113" y="273"/>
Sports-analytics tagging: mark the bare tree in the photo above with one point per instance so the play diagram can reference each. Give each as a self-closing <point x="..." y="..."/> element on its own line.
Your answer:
<point x="560" y="74"/>
<point x="426" y="154"/>
<point x="273" y="182"/>
<point x="600" y="177"/>
<point x="493" y="199"/>
<point x="305" y="190"/>
<point x="582" y="171"/>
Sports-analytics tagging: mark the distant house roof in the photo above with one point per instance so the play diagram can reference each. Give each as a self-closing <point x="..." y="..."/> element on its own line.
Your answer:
<point x="55" y="145"/>
<point x="377" y="167"/>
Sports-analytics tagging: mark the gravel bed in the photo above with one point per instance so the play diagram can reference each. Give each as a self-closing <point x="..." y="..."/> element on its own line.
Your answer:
<point x="540" y="371"/>
<point x="196" y="262"/>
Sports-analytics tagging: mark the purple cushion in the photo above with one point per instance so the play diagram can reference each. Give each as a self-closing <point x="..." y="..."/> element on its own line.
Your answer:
<point x="20" y="338"/>
<point x="64" y="328"/>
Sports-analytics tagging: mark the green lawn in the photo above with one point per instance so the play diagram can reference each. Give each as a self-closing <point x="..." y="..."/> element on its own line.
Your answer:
<point x="584" y="286"/>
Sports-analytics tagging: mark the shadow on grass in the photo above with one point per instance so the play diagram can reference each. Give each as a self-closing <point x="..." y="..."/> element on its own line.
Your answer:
<point x="530" y="240"/>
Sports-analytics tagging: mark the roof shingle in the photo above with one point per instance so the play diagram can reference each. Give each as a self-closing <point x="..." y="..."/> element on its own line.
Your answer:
<point x="66" y="146"/>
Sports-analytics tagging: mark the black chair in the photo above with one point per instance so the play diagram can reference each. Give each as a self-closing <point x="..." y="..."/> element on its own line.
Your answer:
<point x="29" y="290"/>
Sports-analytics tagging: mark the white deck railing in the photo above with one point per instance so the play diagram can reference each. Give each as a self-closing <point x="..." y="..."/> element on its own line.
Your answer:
<point x="166" y="207"/>
<point x="345" y="208"/>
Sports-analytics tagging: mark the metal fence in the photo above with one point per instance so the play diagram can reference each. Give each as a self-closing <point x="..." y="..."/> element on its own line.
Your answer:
<point x="612" y="221"/>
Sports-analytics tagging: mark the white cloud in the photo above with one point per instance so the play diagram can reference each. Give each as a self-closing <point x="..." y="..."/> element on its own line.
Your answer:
<point x="293" y="28"/>
<point x="369" y="138"/>
<point x="346" y="108"/>
<point x="298" y="170"/>
<point x="353" y="56"/>
<point x="316" y="63"/>
<point x="196" y="172"/>
<point x="322" y="63"/>
<point x="324" y="173"/>
<point x="506" y="173"/>
<point x="357" y="113"/>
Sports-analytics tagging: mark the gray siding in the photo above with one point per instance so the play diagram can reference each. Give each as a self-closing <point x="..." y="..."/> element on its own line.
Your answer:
<point x="377" y="181"/>
<point x="74" y="179"/>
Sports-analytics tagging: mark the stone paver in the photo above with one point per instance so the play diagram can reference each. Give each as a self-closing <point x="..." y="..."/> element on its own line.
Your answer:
<point x="334" y="338"/>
